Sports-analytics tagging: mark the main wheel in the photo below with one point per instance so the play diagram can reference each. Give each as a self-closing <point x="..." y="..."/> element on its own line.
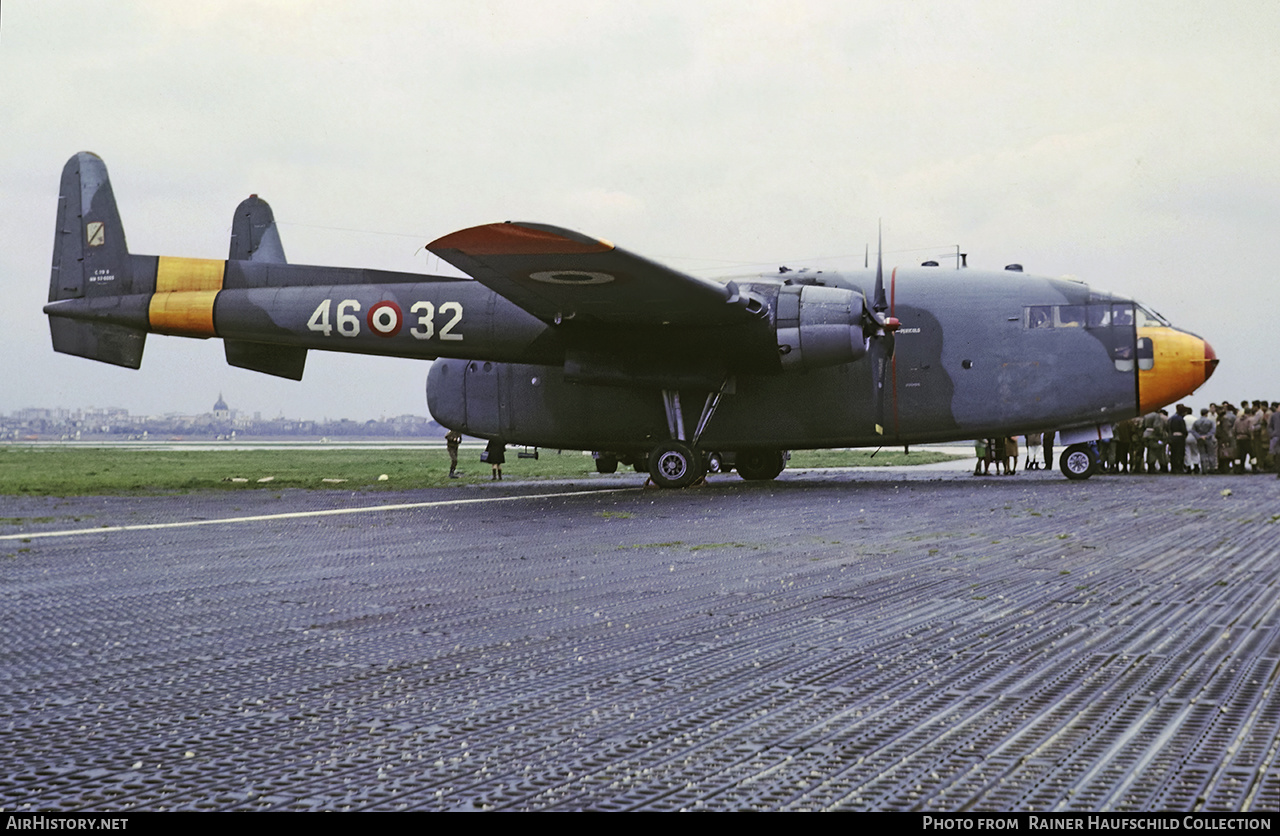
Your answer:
<point x="760" y="464"/>
<point x="606" y="463"/>
<point x="1078" y="462"/>
<point x="674" y="465"/>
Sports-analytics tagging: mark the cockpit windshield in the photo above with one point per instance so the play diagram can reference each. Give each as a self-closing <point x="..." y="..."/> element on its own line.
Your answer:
<point x="1149" y="318"/>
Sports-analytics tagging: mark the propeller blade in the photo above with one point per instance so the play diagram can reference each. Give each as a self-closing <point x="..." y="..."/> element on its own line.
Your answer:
<point x="881" y="304"/>
<point x="879" y="328"/>
<point x="879" y="369"/>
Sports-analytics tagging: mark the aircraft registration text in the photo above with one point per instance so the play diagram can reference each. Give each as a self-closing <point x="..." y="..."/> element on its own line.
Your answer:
<point x="385" y="319"/>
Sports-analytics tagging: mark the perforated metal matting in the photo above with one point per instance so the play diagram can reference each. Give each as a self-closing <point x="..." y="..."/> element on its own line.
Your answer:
<point x="861" y="641"/>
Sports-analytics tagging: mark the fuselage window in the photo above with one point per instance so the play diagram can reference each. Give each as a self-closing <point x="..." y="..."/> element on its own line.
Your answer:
<point x="1122" y="356"/>
<point x="1146" y="354"/>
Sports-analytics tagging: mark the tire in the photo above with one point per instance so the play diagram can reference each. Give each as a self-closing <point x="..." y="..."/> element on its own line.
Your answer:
<point x="715" y="463"/>
<point x="1078" y="462"/>
<point x="674" y="465"/>
<point x="760" y="465"/>
<point x="606" y="463"/>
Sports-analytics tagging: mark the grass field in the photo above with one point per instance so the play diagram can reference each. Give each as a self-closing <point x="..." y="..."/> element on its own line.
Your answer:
<point x="81" y="471"/>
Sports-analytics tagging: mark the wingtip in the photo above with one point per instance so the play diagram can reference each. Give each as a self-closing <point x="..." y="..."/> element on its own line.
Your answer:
<point x="511" y="238"/>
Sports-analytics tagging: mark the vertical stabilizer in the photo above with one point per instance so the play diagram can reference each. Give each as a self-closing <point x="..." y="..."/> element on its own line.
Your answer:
<point x="91" y="262"/>
<point x="254" y="235"/>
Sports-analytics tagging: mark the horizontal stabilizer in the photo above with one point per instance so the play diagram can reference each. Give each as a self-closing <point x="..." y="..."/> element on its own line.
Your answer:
<point x="109" y="343"/>
<point x="279" y="360"/>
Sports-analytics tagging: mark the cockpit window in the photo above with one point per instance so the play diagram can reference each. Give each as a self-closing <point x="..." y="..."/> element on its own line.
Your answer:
<point x="1148" y="318"/>
<point x="1070" y="316"/>
<point x="1108" y="322"/>
<point x="1095" y="316"/>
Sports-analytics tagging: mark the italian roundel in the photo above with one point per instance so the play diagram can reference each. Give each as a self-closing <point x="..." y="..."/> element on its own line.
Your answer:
<point x="384" y="319"/>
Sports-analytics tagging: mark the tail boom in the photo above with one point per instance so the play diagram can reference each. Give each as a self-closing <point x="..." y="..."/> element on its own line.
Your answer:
<point x="103" y="300"/>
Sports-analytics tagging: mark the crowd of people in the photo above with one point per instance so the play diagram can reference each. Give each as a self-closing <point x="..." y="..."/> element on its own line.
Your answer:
<point x="1002" y="454"/>
<point x="1225" y="438"/>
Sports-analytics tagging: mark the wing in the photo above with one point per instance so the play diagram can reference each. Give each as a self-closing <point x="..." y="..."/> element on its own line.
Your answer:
<point x="559" y="275"/>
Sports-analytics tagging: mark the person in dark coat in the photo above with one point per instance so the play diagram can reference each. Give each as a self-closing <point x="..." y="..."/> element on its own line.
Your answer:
<point x="495" y="455"/>
<point x="1178" y="439"/>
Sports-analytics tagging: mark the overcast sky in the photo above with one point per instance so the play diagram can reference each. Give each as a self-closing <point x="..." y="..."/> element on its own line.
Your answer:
<point x="1131" y="145"/>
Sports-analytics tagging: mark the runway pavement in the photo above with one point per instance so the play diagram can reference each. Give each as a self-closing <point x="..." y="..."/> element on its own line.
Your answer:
<point x="912" y="639"/>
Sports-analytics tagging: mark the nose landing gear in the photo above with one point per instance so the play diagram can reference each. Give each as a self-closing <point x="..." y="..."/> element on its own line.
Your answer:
<point x="1078" y="462"/>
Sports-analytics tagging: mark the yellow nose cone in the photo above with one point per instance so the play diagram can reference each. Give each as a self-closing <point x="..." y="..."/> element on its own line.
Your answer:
<point x="1180" y="364"/>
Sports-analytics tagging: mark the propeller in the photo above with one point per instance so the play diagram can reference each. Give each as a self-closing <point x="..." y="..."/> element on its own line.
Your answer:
<point x="879" y="328"/>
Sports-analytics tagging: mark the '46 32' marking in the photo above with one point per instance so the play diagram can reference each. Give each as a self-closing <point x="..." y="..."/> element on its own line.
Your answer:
<point x="385" y="319"/>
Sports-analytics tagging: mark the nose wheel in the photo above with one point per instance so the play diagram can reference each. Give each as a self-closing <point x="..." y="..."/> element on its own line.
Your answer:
<point x="1078" y="462"/>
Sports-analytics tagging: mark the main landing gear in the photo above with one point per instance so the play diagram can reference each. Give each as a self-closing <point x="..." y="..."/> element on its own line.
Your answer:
<point x="679" y="463"/>
<point x="674" y="464"/>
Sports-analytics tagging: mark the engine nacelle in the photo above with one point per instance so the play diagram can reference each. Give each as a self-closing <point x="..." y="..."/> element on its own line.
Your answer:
<point x="819" y="326"/>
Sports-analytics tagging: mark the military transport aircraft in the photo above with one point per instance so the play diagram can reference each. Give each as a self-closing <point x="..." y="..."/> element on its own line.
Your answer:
<point x="567" y="341"/>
